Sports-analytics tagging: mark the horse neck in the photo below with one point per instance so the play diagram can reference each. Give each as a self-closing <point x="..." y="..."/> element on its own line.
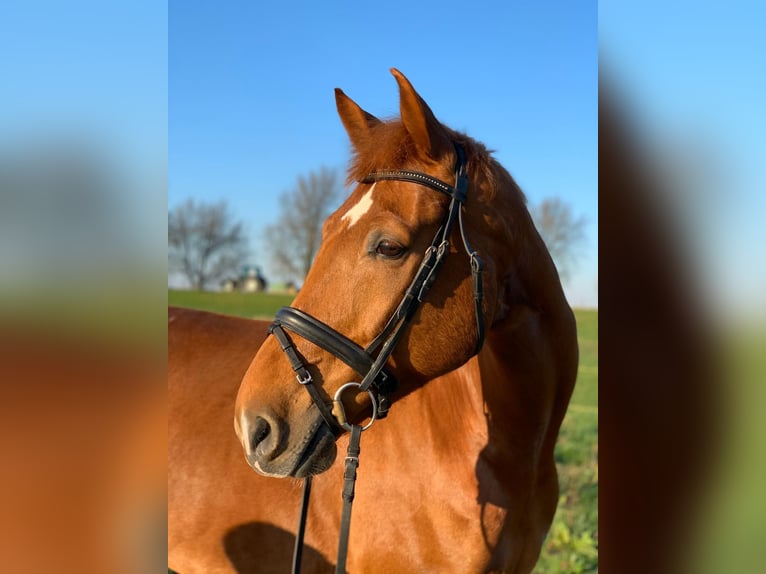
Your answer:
<point x="443" y="418"/>
<point x="529" y="313"/>
<point x="528" y="364"/>
<point x="502" y="401"/>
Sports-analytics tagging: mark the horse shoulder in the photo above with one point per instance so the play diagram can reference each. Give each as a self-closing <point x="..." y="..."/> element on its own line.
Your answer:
<point x="208" y="355"/>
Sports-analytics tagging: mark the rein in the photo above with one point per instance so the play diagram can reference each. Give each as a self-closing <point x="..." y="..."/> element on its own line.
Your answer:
<point x="370" y="362"/>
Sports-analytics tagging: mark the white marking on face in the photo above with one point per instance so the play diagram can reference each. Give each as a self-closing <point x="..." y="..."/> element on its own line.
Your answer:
<point x="355" y="213"/>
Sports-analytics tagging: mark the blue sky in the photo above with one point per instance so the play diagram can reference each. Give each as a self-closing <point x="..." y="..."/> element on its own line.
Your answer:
<point x="251" y="103"/>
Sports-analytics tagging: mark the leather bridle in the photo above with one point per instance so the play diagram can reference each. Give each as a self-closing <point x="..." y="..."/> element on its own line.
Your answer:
<point x="370" y="362"/>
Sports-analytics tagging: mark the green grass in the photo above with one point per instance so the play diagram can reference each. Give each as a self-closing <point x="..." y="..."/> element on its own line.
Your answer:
<point x="251" y="305"/>
<point x="572" y="543"/>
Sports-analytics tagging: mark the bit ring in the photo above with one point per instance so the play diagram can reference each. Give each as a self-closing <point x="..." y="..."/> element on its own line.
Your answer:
<point x="340" y="412"/>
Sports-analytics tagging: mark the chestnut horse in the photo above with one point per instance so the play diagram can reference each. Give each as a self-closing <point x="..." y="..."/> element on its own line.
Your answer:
<point x="460" y="477"/>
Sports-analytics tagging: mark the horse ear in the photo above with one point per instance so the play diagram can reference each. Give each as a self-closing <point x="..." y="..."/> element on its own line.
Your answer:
<point x="426" y="131"/>
<point x="356" y="121"/>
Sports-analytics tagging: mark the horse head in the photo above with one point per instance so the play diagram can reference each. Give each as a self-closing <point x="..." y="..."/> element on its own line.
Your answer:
<point x="371" y="259"/>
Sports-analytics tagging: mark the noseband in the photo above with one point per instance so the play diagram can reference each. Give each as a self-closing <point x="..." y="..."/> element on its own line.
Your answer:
<point x="370" y="362"/>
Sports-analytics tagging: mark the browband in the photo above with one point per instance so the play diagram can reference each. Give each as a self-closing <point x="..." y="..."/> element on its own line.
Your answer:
<point x="419" y="178"/>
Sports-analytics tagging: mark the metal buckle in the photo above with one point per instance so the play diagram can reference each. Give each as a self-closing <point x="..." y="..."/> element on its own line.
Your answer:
<point x="434" y="266"/>
<point x="340" y="412"/>
<point x="476" y="264"/>
<point x="305" y="381"/>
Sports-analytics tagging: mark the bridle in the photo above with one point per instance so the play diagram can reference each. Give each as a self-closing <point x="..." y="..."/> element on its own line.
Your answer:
<point x="370" y="362"/>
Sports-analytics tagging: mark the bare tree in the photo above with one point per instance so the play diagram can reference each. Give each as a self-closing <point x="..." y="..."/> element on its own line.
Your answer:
<point x="204" y="243"/>
<point x="294" y="239"/>
<point x="563" y="233"/>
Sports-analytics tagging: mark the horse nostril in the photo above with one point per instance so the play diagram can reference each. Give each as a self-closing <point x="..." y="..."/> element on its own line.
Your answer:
<point x="262" y="435"/>
<point x="260" y="432"/>
<point x="266" y="436"/>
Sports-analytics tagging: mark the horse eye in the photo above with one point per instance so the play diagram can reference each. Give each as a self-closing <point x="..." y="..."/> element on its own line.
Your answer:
<point x="389" y="249"/>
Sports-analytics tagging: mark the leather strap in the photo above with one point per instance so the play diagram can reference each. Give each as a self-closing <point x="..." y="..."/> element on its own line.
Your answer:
<point x="432" y="261"/>
<point x="304" y="378"/>
<point x="342" y="347"/>
<point x="298" y="548"/>
<point x="477" y="268"/>
<point x="349" y="485"/>
<point x="325" y="337"/>
<point x="413" y="177"/>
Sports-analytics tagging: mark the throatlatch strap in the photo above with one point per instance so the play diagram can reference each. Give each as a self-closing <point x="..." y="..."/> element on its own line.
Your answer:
<point x="349" y="483"/>
<point x="477" y="268"/>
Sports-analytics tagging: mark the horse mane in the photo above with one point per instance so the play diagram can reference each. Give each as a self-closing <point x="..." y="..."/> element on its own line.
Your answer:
<point x="388" y="145"/>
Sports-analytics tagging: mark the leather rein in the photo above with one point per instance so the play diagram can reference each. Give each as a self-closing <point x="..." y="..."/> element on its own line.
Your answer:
<point x="370" y="362"/>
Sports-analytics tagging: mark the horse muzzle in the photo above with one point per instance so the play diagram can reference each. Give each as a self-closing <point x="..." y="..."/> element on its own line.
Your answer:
<point x="277" y="449"/>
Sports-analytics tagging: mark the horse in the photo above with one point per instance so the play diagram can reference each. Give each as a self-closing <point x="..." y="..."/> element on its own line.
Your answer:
<point x="461" y="335"/>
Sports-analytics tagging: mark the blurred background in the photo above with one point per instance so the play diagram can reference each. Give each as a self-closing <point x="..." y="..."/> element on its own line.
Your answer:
<point x="83" y="179"/>
<point x="682" y="287"/>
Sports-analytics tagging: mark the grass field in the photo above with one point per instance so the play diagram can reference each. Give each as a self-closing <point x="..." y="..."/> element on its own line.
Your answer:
<point x="572" y="543"/>
<point x="252" y="305"/>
